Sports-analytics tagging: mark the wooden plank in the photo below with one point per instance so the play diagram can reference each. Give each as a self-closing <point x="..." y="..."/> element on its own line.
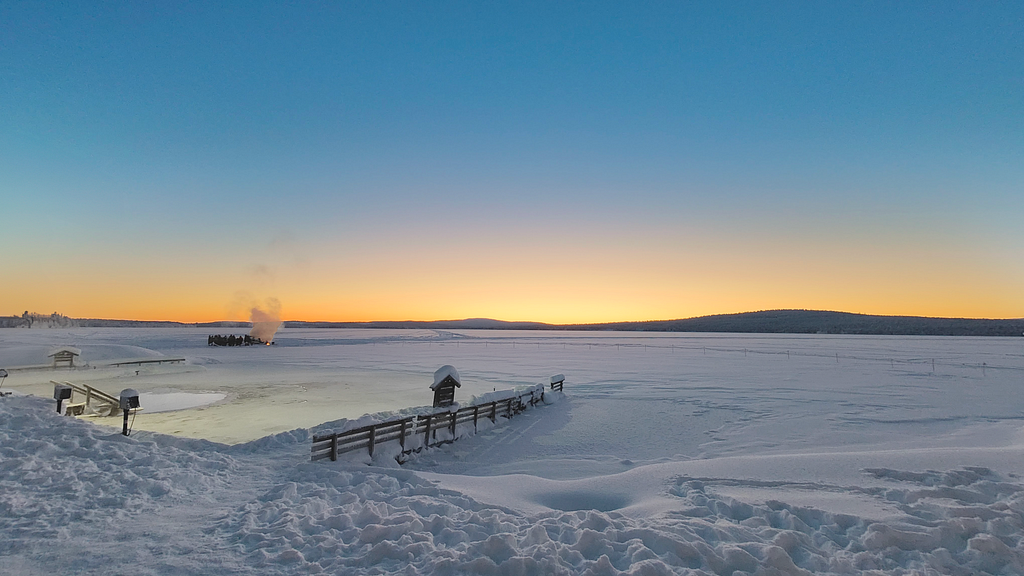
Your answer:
<point x="102" y="395"/>
<point x="345" y="436"/>
<point x="142" y="361"/>
<point x="385" y="426"/>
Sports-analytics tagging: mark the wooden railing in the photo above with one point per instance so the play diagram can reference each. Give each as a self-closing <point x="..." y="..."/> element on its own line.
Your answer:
<point x="414" y="433"/>
<point x="108" y="405"/>
<point x="142" y="361"/>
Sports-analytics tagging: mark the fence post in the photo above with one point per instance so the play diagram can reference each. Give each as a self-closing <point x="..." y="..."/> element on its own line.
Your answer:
<point x="373" y="438"/>
<point x="334" y="447"/>
<point x="401" y="438"/>
<point x="494" y="411"/>
<point x="426" y="437"/>
<point x="476" y="413"/>
<point x="455" y="416"/>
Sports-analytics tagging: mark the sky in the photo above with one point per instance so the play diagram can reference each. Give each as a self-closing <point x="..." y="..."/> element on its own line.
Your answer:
<point x="560" y="162"/>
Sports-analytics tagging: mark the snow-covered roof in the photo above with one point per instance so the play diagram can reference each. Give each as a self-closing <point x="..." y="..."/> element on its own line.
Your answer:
<point x="444" y="372"/>
<point x="59" y="349"/>
<point x="558" y="378"/>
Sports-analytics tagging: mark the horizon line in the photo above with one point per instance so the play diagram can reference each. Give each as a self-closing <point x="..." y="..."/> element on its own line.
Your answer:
<point x="538" y="322"/>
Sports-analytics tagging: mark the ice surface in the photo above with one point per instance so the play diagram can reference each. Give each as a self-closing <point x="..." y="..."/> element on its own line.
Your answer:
<point x="669" y="454"/>
<point x="171" y="401"/>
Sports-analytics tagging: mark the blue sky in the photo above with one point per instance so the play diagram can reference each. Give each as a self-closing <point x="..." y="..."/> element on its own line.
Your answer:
<point x="210" y="136"/>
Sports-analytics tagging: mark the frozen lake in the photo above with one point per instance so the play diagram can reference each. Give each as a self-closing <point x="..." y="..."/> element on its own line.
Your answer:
<point x="641" y="395"/>
<point x="896" y="442"/>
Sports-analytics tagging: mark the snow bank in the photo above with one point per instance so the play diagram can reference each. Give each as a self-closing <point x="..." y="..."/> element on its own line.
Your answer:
<point x="72" y="493"/>
<point x="341" y="520"/>
<point x="499" y="395"/>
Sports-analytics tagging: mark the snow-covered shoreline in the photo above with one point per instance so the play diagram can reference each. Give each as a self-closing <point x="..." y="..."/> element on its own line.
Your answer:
<point x="664" y="461"/>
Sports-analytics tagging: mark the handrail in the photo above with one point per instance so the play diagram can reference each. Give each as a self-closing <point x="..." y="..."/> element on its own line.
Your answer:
<point x="94" y="393"/>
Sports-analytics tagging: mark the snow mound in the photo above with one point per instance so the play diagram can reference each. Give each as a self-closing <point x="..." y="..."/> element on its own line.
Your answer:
<point x="350" y="519"/>
<point x="444" y="372"/>
<point x="61" y="476"/>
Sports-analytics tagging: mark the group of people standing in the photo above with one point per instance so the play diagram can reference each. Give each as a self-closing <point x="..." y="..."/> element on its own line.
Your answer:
<point x="232" y="340"/>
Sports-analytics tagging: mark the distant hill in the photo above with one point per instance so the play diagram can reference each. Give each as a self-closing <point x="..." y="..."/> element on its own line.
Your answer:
<point x="766" y="321"/>
<point x="468" y="324"/>
<point x="823" y="322"/>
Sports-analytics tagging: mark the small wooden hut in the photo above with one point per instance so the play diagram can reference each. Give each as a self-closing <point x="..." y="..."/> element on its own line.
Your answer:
<point x="64" y="356"/>
<point x="446" y="380"/>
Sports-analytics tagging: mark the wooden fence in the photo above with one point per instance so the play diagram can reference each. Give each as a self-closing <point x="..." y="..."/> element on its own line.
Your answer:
<point x="142" y="361"/>
<point x="414" y="433"/>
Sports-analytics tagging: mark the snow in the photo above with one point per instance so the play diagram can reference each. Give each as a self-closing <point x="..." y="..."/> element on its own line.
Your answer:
<point x="667" y="454"/>
<point x="58" y="349"/>
<point x="444" y="372"/>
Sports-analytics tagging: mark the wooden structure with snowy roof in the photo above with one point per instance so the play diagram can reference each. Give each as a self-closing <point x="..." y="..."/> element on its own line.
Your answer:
<point x="446" y="380"/>
<point x="64" y="356"/>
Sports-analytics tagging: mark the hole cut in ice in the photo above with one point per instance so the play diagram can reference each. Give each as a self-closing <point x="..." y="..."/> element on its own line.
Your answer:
<point x="571" y="501"/>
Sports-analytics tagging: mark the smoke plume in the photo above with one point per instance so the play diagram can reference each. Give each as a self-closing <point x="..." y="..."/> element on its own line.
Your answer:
<point x="265" y="322"/>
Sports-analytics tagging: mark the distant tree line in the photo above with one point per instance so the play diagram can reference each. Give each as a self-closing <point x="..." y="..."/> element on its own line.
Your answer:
<point x="763" y="322"/>
<point x="37" y="320"/>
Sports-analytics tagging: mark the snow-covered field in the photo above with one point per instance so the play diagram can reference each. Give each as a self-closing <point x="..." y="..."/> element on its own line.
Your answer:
<point x="668" y="454"/>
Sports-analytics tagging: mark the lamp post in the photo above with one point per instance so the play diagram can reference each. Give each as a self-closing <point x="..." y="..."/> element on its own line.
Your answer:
<point x="129" y="401"/>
